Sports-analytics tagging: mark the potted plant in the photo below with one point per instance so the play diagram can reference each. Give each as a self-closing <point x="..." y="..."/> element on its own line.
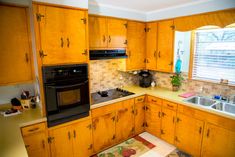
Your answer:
<point x="176" y="81"/>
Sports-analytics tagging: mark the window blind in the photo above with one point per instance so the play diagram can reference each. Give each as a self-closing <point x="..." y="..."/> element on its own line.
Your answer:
<point x="214" y="55"/>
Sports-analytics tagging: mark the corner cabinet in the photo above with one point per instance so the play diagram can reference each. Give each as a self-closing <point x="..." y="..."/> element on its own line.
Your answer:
<point x="62" y="34"/>
<point x="15" y="46"/>
<point x="107" y="32"/>
<point x="74" y="140"/>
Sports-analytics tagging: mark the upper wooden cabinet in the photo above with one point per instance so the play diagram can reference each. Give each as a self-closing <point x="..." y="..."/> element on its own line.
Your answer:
<point x="165" y="41"/>
<point x="107" y="32"/>
<point x="135" y="46"/>
<point x="220" y="18"/>
<point x="159" y="46"/>
<point x="15" y="46"/>
<point x="62" y="38"/>
<point x="151" y="46"/>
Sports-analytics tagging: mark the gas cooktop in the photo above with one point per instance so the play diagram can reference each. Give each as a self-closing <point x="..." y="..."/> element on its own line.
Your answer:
<point x="108" y="95"/>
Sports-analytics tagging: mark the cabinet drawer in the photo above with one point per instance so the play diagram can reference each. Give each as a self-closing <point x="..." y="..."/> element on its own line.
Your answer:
<point x="169" y="105"/>
<point x="104" y="109"/>
<point x="154" y="100"/>
<point x="33" y="129"/>
<point x="139" y="99"/>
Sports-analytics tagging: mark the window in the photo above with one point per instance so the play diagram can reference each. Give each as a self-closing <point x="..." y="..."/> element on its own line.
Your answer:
<point x="214" y="55"/>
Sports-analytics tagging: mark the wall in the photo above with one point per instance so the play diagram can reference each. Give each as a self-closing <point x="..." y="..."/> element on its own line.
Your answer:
<point x="12" y="91"/>
<point x="104" y="75"/>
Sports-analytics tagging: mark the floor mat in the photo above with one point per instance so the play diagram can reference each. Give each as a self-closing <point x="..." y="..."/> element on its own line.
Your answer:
<point x="133" y="147"/>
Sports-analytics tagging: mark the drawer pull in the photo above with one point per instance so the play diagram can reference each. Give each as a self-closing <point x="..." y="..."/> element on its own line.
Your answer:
<point x="208" y="133"/>
<point x="154" y="100"/>
<point x="200" y="130"/>
<point x="34" y="129"/>
<point x="170" y="105"/>
<point x="140" y="99"/>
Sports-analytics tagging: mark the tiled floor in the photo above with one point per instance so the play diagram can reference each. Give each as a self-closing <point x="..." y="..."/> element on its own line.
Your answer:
<point x="162" y="148"/>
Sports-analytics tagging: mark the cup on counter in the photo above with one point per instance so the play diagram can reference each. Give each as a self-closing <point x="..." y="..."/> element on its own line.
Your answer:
<point x="25" y="103"/>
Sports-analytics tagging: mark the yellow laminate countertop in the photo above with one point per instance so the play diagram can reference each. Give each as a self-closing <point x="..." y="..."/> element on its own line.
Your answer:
<point x="11" y="140"/>
<point x="164" y="94"/>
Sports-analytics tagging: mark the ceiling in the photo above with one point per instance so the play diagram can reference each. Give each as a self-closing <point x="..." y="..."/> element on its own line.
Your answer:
<point x="145" y="5"/>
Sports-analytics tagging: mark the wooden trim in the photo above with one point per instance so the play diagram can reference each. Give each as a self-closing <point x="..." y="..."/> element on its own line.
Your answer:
<point x="14" y="5"/>
<point x="59" y="6"/>
<point x="191" y="60"/>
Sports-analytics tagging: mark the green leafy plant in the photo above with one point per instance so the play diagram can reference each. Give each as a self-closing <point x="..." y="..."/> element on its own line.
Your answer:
<point x="177" y="79"/>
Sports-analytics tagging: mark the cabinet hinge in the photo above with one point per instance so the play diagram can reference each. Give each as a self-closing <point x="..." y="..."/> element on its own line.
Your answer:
<point x="126" y="25"/>
<point x="85" y="52"/>
<point x="90" y="147"/>
<point x="172" y="27"/>
<point x="50" y="139"/>
<point x="146" y="29"/>
<point x="39" y="16"/>
<point x="41" y="54"/>
<point x="84" y="20"/>
<point x="114" y="136"/>
<point x="125" y="42"/>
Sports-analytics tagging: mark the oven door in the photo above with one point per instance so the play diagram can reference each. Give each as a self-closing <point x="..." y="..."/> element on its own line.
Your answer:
<point x="64" y="96"/>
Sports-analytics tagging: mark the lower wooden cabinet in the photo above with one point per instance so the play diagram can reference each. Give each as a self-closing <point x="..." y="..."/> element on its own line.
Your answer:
<point x="35" y="139"/>
<point x="125" y="120"/>
<point x="139" y="115"/>
<point x="188" y="134"/>
<point x="103" y="131"/>
<point x="74" y="140"/>
<point x="218" y="142"/>
<point x="168" y="125"/>
<point x="153" y="119"/>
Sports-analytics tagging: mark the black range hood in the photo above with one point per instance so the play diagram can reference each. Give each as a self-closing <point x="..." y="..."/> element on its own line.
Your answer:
<point x="107" y="54"/>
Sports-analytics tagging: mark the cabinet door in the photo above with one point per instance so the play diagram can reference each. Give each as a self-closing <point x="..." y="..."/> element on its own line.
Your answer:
<point x="135" y="46"/>
<point x="186" y="126"/>
<point x="168" y="125"/>
<point x="97" y="32"/>
<point x="52" y="29"/>
<point x="165" y="46"/>
<point x="139" y="118"/>
<point x="36" y="145"/>
<point x="125" y="123"/>
<point x="151" y="46"/>
<point x="117" y="32"/>
<point x="103" y="131"/>
<point x="61" y="142"/>
<point x="83" y="138"/>
<point x="15" y="60"/>
<point x="218" y="142"/>
<point x="153" y="119"/>
<point x="75" y="36"/>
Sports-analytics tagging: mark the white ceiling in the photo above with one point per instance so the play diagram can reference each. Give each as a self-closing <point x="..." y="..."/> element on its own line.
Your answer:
<point x="145" y="5"/>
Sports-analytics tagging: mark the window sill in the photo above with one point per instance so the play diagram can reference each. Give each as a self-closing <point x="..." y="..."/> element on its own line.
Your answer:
<point x="212" y="82"/>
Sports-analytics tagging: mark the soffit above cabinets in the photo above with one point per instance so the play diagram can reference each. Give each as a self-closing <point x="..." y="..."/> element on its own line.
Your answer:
<point x="150" y="10"/>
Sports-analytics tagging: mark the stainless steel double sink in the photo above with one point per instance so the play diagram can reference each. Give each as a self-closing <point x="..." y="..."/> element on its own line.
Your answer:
<point x="212" y="104"/>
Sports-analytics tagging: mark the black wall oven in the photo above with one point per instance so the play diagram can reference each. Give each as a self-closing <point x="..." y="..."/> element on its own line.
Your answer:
<point x="66" y="90"/>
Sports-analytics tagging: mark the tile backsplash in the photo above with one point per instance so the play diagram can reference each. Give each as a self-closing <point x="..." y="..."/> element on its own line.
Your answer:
<point x="163" y="80"/>
<point x="104" y="74"/>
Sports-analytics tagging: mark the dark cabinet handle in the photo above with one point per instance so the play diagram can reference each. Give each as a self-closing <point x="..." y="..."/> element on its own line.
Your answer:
<point x="43" y="144"/>
<point x="109" y="39"/>
<point x="208" y="133"/>
<point x="200" y="130"/>
<point x="26" y="57"/>
<point x="61" y="42"/>
<point x="159" y="114"/>
<point x="34" y="129"/>
<point x="74" y="133"/>
<point x="159" y="54"/>
<point x="68" y="42"/>
<point x="170" y="105"/>
<point x="104" y="39"/>
<point x="155" y="52"/>
<point x="69" y="136"/>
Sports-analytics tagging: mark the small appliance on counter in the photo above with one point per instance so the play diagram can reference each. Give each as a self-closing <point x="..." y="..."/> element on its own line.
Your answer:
<point x="66" y="93"/>
<point x="145" y="79"/>
<point x="111" y="94"/>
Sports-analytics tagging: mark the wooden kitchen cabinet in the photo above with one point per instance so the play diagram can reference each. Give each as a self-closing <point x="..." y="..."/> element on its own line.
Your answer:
<point x="103" y="131"/>
<point x="218" y="142"/>
<point x="153" y="118"/>
<point x="15" y="46"/>
<point x="165" y="41"/>
<point x="97" y="32"/>
<point x="74" y="140"/>
<point x="135" y="46"/>
<point x="188" y="134"/>
<point x="62" y="39"/>
<point x="151" y="46"/>
<point x="168" y="125"/>
<point x="105" y="32"/>
<point x="125" y="120"/>
<point x="139" y="114"/>
<point x="35" y="139"/>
